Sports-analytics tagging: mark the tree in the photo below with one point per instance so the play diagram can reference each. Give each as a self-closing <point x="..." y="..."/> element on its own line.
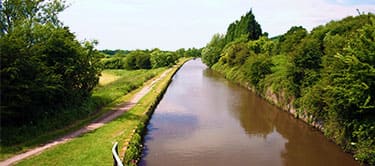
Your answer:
<point x="130" y="62"/>
<point x="211" y="53"/>
<point x="43" y="66"/>
<point x="180" y="52"/>
<point x="307" y="62"/>
<point x="16" y="12"/>
<point x="257" y="68"/>
<point x="143" y="61"/>
<point x="193" y="52"/>
<point x="261" y="46"/>
<point x="246" y="26"/>
<point x="290" y="40"/>
<point x="162" y="59"/>
<point x="235" y="53"/>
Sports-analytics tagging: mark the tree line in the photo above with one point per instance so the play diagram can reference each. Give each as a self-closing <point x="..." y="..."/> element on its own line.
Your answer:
<point x="327" y="74"/>
<point x="144" y="59"/>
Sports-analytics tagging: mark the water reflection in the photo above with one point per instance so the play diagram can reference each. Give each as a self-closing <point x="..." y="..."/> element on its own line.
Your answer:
<point x="205" y="120"/>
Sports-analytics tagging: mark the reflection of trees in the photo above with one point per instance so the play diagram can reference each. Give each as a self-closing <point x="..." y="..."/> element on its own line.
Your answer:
<point x="256" y="115"/>
<point x="209" y="73"/>
<point x="305" y="145"/>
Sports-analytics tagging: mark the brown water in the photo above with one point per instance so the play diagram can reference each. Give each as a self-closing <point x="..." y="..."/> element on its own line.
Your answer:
<point x="205" y="120"/>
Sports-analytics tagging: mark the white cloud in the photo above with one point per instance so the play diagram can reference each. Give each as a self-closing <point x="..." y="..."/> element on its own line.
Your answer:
<point x="172" y="24"/>
<point x="277" y="17"/>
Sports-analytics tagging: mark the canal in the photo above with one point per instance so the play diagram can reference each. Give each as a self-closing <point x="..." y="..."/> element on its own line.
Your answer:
<point x="203" y="119"/>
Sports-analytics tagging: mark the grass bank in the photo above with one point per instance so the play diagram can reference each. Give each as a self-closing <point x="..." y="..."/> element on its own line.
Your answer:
<point x="116" y="84"/>
<point x="132" y="145"/>
<point x="94" y="148"/>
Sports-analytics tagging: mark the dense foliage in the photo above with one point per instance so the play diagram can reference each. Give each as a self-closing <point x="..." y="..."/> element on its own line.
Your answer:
<point x="211" y="53"/>
<point x="327" y="74"/>
<point x="162" y="59"/>
<point x="190" y="52"/>
<point x="43" y="66"/>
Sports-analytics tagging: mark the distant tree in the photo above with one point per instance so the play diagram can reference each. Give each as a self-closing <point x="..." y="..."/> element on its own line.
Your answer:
<point x="193" y="52"/>
<point x="162" y="59"/>
<point x="130" y="61"/>
<point x="138" y="59"/>
<point x="143" y="61"/>
<point x="113" y="63"/>
<point x="180" y="52"/>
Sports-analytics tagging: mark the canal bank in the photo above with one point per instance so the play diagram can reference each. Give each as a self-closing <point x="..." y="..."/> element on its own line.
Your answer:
<point x="204" y="119"/>
<point x="132" y="145"/>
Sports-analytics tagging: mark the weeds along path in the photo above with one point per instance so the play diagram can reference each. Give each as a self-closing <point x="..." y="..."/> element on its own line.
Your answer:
<point x="92" y="126"/>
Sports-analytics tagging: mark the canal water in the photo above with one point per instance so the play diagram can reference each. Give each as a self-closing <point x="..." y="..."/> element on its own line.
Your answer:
<point x="203" y="119"/>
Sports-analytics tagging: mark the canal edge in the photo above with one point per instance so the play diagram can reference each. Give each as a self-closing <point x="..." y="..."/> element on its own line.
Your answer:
<point x="132" y="147"/>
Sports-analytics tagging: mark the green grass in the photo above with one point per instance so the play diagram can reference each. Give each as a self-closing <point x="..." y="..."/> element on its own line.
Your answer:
<point x="129" y="80"/>
<point x="19" y="139"/>
<point x="94" y="148"/>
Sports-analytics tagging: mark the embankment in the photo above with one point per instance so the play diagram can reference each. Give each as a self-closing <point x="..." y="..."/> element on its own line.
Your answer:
<point x="132" y="146"/>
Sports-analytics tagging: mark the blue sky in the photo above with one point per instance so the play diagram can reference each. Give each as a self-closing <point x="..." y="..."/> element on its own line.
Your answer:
<point x="173" y="24"/>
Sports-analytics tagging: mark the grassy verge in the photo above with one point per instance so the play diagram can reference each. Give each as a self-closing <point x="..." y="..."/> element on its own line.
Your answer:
<point x="19" y="139"/>
<point x="94" y="148"/>
<point x="132" y="145"/>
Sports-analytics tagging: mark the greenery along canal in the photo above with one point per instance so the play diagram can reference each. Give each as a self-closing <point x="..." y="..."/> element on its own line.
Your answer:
<point x="205" y="120"/>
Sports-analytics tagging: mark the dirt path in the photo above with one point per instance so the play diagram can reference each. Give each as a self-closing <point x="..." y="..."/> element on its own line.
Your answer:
<point x="92" y="126"/>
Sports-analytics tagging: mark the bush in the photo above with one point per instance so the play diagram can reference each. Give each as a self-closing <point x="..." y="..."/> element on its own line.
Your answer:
<point x="113" y="63"/>
<point x="256" y="68"/>
<point x="162" y="59"/>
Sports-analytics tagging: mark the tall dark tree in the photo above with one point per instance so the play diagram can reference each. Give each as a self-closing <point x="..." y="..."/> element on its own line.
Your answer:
<point x="247" y="26"/>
